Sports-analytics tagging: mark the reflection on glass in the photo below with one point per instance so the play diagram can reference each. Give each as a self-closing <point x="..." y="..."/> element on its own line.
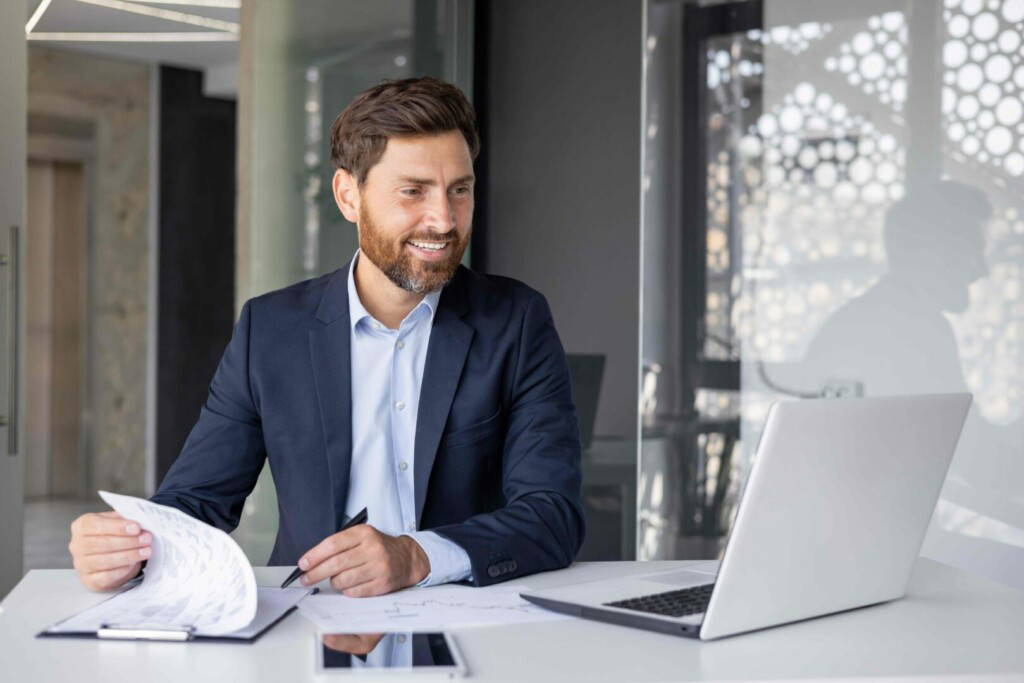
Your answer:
<point x="934" y="246"/>
<point x="386" y="651"/>
<point x="862" y="217"/>
<point x="340" y="648"/>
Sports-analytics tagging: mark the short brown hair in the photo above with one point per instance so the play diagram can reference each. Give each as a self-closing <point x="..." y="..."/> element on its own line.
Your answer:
<point x="403" y="108"/>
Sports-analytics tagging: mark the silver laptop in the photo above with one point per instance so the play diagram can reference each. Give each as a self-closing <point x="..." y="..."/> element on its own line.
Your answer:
<point x="832" y="517"/>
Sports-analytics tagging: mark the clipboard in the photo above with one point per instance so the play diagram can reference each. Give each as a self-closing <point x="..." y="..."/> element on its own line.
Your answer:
<point x="274" y="604"/>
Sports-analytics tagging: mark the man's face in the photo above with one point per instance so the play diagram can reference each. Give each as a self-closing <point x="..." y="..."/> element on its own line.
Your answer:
<point x="961" y="263"/>
<point x="416" y="210"/>
<point x="948" y="263"/>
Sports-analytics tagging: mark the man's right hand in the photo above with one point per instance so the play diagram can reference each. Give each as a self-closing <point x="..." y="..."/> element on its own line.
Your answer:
<point x="107" y="549"/>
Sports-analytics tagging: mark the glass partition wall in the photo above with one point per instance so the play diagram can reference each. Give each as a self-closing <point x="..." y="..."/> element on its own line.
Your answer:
<point x="833" y="206"/>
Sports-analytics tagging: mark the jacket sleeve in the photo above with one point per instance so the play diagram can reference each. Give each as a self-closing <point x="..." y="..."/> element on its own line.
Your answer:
<point x="224" y="453"/>
<point x="541" y="526"/>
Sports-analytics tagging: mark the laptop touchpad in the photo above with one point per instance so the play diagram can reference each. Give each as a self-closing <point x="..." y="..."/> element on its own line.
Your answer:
<point x="697" y="575"/>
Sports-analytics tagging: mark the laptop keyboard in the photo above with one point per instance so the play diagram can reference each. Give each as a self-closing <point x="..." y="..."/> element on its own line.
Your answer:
<point x="678" y="603"/>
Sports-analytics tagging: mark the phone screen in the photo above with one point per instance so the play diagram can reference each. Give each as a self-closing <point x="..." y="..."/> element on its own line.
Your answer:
<point x="385" y="651"/>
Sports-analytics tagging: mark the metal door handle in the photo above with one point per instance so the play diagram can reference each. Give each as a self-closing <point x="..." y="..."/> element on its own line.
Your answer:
<point x="11" y="419"/>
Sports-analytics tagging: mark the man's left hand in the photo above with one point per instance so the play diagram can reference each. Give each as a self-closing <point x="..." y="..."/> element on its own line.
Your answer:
<point x="361" y="562"/>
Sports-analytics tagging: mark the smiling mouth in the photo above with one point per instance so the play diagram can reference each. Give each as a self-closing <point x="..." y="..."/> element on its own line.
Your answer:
<point x="429" y="246"/>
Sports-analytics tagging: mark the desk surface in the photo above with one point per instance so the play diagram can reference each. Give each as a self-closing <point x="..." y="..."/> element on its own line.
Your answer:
<point x="951" y="626"/>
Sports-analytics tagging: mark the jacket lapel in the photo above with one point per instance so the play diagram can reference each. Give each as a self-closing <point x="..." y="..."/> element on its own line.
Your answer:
<point x="329" y="346"/>
<point x="446" y="354"/>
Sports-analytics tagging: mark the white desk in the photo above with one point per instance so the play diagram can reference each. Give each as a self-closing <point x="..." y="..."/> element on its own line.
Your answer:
<point x="951" y="627"/>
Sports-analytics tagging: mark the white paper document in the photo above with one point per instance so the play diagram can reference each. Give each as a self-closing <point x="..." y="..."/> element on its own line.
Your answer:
<point x="120" y="610"/>
<point x="197" y="576"/>
<point x="437" y="608"/>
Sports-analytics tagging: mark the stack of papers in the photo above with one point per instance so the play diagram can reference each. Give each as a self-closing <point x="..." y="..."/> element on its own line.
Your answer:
<point x="197" y="577"/>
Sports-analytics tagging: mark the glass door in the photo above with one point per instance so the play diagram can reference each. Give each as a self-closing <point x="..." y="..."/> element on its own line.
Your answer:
<point x="12" y="212"/>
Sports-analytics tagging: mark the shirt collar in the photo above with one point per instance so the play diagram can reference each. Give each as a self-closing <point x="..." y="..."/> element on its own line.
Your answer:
<point x="357" y="312"/>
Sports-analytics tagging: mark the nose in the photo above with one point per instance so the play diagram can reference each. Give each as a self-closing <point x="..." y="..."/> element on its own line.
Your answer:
<point x="982" y="268"/>
<point x="441" y="213"/>
<point x="976" y="261"/>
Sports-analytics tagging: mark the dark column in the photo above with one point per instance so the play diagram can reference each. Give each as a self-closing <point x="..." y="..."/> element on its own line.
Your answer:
<point x="197" y="252"/>
<point x="481" y="94"/>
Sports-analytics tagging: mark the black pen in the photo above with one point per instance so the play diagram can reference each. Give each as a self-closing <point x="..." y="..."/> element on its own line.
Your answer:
<point x="360" y="518"/>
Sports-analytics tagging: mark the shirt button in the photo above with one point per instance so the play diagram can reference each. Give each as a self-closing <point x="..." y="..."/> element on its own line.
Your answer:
<point x="403" y="466"/>
<point x="401" y="638"/>
<point x="400" y="405"/>
<point x="411" y="527"/>
<point x="400" y="345"/>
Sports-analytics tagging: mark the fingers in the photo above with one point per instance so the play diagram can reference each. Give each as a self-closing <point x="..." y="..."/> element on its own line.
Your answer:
<point x="334" y="566"/>
<point x="365" y="562"/>
<point x="108" y="549"/>
<point x="376" y="585"/>
<point x="110" y="578"/>
<point x="97" y="545"/>
<point x="333" y="545"/>
<point x="90" y="564"/>
<point x="354" y="577"/>
<point x="102" y="524"/>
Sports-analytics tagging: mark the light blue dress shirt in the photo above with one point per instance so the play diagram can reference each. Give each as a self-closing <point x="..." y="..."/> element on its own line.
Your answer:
<point x="387" y="371"/>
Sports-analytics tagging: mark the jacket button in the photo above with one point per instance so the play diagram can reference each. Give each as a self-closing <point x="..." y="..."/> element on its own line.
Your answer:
<point x="512" y="566"/>
<point x="493" y="571"/>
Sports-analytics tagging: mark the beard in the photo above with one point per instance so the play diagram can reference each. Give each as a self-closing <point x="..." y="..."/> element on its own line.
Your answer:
<point x="400" y="265"/>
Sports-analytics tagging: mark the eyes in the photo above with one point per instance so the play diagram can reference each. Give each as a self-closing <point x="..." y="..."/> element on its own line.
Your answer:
<point x="416" y="192"/>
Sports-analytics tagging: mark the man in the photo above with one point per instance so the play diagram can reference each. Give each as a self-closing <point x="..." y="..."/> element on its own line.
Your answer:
<point x="897" y="338"/>
<point x="403" y="382"/>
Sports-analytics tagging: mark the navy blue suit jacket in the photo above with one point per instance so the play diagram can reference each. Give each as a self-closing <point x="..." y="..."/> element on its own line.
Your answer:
<point x="497" y="449"/>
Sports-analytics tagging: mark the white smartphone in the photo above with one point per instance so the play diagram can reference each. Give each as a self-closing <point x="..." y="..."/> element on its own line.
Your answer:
<point x="427" y="655"/>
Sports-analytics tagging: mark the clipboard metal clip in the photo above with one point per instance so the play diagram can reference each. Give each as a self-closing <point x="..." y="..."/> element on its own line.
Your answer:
<point x="146" y="632"/>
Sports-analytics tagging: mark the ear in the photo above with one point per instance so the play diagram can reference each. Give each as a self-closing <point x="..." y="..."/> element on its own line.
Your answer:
<point x="346" y="194"/>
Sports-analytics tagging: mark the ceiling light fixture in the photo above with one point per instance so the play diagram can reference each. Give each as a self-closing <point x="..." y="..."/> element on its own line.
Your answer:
<point x="157" y="37"/>
<point x="37" y="15"/>
<point x="229" y="4"/>
<point x="169" y="15"/>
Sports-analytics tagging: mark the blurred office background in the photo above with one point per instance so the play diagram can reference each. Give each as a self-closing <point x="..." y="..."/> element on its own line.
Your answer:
<point x="726" y="204"/>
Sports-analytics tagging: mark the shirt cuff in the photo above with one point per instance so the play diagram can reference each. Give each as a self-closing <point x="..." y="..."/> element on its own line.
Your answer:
<point x="448" y="560"/>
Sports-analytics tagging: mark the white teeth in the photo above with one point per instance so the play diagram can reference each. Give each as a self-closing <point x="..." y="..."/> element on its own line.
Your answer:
<point x="433" y="246"/>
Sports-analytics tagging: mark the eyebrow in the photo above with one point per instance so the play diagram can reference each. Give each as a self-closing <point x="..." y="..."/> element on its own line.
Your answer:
<point x="427" y="181"/>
